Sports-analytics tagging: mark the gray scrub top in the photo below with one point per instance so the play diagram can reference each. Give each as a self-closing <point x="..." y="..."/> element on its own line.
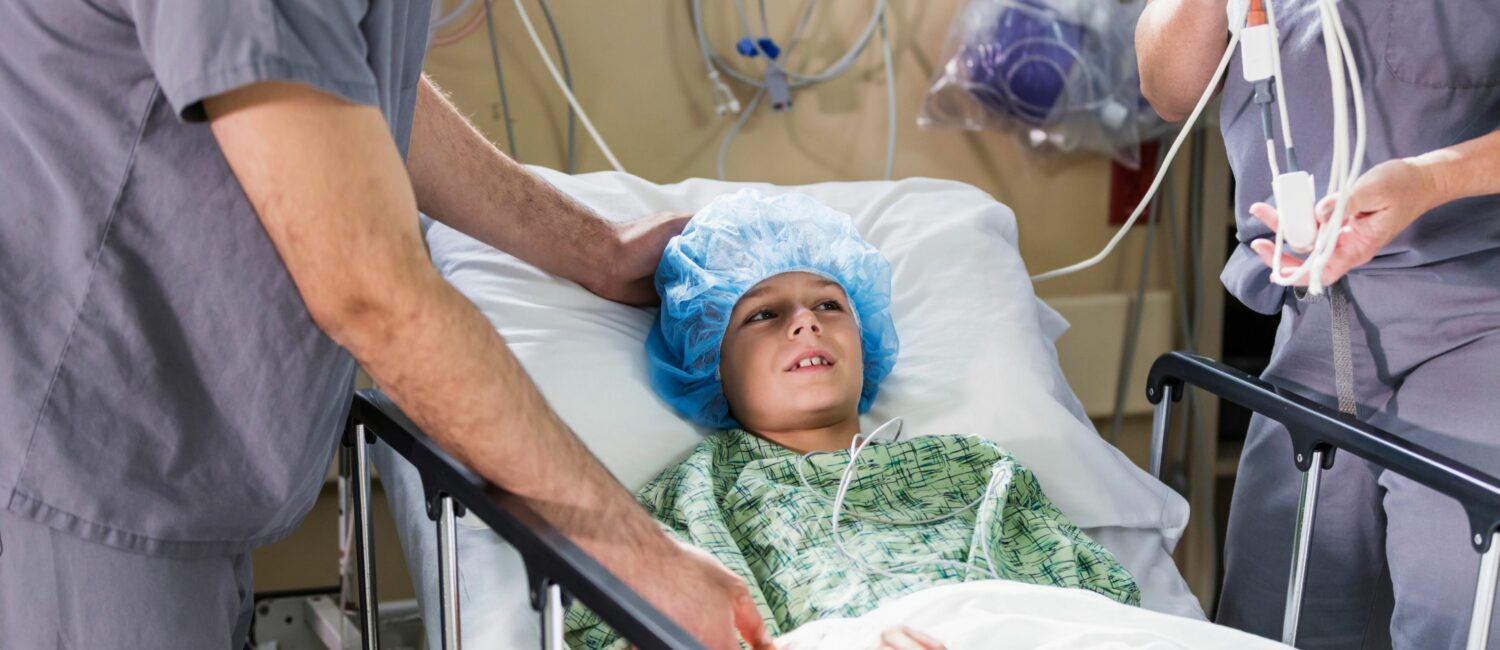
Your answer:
<point x="162" y="386"/>
<point x="1431" y="75"/>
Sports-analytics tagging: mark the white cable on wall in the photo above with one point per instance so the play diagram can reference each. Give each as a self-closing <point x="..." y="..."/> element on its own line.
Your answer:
<point x="563" y="86"/>
<point x="890" y="98"/>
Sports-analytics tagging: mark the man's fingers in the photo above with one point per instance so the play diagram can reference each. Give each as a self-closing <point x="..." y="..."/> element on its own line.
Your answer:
<point x="1323" y="211"/>
<point x="1266" y="250"/>
<point x="749" y="623"/>
<point x="642" y="293"/>
<point x="1267" y="215"/>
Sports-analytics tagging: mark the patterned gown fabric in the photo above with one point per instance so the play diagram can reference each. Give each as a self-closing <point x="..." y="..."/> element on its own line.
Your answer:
<point x="920" y="512"/>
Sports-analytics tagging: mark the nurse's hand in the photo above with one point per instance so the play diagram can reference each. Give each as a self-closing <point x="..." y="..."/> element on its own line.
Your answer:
<point x="905" y="638"/>
<point x="1382" y="203"/>
<point x="709" y="601"/>
<point x="630" y="271"/>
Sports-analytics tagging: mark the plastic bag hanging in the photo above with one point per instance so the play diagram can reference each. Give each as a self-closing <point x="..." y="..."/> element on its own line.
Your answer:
<point x="1061" y="73"/>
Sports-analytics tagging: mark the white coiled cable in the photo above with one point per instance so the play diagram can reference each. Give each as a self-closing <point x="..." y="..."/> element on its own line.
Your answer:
<point x="999" y="477"/>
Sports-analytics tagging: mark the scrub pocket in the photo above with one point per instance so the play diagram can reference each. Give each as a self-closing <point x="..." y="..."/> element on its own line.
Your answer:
<point x="1448" y="44"/>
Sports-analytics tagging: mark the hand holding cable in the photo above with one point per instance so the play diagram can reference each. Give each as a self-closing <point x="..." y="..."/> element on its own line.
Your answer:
<point x="1381" y="204"/>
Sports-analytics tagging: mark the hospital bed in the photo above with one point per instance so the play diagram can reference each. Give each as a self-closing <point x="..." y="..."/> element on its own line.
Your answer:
<point x="557" y="571"/>
<point x="977" y="357"/>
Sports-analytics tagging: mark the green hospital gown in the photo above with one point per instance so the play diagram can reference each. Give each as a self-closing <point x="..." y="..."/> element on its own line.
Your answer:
<point x="742" y="499"/>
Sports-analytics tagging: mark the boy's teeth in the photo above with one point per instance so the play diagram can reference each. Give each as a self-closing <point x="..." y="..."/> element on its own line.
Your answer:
<point x="812" y="361"/>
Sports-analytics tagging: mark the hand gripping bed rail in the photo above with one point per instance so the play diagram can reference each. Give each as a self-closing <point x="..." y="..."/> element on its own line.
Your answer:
<point x="1316" y="432"/>
<point x="557" y="570"/>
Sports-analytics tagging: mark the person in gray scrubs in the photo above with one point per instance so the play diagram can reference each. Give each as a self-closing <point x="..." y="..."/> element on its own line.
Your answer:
<point x="1390" y="562"/>
<point x="208" y="214"/>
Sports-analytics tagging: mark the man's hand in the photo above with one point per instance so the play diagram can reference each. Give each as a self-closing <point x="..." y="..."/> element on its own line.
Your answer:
<point x="630" y="275"/>
<point x="694" y="589"/>
<point x="1382" y="203"/>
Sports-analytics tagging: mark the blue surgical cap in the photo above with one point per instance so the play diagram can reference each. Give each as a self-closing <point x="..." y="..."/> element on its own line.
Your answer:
<point x="733" y="244"/>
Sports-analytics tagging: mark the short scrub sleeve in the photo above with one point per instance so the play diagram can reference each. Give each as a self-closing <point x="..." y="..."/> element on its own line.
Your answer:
<point x="198" y="49"/>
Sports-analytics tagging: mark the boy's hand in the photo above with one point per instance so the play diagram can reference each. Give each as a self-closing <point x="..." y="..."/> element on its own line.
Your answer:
<point x="905" y="638"/>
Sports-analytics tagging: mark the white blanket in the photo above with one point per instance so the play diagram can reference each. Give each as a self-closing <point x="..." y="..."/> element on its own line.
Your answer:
<point x="1005" y="615"/>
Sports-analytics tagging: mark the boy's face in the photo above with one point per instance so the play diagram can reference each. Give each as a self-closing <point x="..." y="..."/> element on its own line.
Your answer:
<point x="791" y="357"/>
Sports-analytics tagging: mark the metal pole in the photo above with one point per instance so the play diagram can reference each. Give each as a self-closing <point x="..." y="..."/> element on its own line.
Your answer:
<point x="1159" y="423"/>
<point x="1484" y="595"/>
<point x="1307" y="507"/>
<point x="369" y="607"/>
<point x="552" y="619"/>
<point x="448" y="571"/>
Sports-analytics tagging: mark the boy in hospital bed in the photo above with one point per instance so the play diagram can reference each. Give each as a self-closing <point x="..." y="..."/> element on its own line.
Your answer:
<point x="775" y="330"/>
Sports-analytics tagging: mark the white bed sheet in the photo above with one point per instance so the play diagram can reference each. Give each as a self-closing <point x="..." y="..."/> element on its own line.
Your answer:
<point x="1002" y="615"/>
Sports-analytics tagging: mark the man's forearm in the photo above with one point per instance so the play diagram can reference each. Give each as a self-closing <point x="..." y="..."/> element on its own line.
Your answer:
<point x="462" y="180"/>
<point x="1178" y="43"/>
<point x="326" y="181"/>
<point x="448" y="369"/>
<point x="1467" y="169"/>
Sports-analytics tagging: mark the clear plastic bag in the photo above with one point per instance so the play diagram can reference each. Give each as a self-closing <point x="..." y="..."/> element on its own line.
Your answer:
<point x="1060" y="73"/>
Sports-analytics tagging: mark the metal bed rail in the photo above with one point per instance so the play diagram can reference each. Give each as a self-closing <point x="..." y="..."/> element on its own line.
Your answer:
<point x="557" y="570"/>
<point x="1317" y="432"/>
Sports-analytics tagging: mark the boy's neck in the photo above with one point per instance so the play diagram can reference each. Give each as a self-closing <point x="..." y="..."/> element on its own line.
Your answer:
<point x="835" y="437"/>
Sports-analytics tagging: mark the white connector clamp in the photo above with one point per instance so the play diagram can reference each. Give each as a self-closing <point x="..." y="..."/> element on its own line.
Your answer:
<point x="1257" y="52"/>
<point x="1295" y="197"/>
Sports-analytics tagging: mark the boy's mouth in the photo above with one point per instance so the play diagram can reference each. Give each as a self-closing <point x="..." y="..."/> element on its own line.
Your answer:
<point x="811" y="361"/>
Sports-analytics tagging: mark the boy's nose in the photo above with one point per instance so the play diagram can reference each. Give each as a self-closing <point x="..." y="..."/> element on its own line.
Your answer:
<point x="805" y="322"/>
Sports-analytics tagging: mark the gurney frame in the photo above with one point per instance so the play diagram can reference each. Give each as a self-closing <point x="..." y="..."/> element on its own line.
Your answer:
<point x="557" y="570"/>
<point x="1317" y="432"/>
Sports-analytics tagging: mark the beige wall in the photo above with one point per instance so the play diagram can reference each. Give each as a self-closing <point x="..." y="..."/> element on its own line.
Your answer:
<point x="638" y="73"/>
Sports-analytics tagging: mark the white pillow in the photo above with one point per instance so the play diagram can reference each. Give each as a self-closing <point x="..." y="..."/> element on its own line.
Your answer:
<point x="977" y="352"/>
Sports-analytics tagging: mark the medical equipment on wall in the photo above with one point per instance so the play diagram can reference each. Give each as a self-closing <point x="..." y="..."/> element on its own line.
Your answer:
<point x="1062" y="73"/>
<point x="442" y="20"/>
<point x="1253" y="23"/>
<point x="776" y="82"/>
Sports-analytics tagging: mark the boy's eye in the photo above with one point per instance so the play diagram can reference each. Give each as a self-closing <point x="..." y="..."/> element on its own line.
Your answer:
<point x="760" y="314"/>
<point x="830" y="305"/>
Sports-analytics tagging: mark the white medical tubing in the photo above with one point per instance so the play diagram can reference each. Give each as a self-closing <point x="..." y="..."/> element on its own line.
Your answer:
<point x="1345" y="167"/>
<point x="797" y="80"/>
<point x="999" y="476"/>
<point x="1286" y="124"/>
<point x="890" y="98"/>
<point x="739" y="122"/>
<point x="563" y="86"/>
<point x="1161" y="171"/>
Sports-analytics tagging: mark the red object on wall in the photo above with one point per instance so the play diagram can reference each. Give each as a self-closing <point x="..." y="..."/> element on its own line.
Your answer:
<point x="1127" y="186"/>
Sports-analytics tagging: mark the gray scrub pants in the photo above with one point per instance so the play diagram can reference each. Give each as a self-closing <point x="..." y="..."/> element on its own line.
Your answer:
<point x="60" y="591"/>
<point x="1390" y="563"/>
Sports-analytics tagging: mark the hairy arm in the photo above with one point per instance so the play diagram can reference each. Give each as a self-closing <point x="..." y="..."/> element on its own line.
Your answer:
<point x="1178" y="44"/>
<point x="462" y="180"/>
<point x="1467" y="169"/>
<point x="328" y="184"/>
